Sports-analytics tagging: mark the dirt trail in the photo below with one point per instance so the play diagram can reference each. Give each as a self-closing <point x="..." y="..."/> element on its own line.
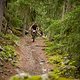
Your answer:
<point x="31" y="56"/>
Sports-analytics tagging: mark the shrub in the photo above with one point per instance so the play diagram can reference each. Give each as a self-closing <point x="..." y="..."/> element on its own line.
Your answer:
<point x="8" y="54"/>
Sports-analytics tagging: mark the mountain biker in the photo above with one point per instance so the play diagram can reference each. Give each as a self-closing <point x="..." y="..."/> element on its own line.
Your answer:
<point x="34" y="29"/>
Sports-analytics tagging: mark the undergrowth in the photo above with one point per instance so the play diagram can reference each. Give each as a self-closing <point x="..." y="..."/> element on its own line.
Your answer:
<point x="63" y="65"/>
<point x="7" y="44"/>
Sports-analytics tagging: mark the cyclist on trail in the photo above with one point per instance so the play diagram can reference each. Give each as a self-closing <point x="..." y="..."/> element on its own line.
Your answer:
<point x="34" y="29"/>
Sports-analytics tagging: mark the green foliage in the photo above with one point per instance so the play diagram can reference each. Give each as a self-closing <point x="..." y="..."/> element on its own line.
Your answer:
<point x="54" y="75"/>
<point x="56" y="59"/>
<point x="1" y="35"/>
<point x="8" y="39"/>
<point x="49" y="48"/>
<point x="8" y="54"/>
<point x="25" y="78"/>
<point x="35" y="78"/>
<point x="61" y="24"/>
<point x="65" y="35"/>
<point x="63" y="78"/>
<point x="15" y="78"/>
<point x="12" y="37"/>
<point x="71" y="31"/>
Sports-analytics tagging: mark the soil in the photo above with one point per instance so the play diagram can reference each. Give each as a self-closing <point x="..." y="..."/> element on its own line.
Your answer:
<point x="6" y="71"/>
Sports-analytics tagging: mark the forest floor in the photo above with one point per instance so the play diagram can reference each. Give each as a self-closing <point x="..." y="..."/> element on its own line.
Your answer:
<point x="32" y="58"/>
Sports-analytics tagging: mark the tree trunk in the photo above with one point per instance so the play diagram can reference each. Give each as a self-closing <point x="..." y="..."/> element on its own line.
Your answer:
<point x="24" y="26"/>
<point x="1" y="13"/>
<point x="2" y="10"/>
<point x="63" y="9"/>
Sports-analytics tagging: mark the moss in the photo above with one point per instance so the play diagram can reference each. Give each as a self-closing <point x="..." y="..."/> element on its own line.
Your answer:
<point x="35" y="78"/>
<point x="15" y="78"/>
<point x="26" y="78"/>
<point x="62" y="78"/>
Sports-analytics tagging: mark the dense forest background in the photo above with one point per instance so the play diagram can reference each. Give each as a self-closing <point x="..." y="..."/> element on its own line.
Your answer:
<point x="60" y="22"/>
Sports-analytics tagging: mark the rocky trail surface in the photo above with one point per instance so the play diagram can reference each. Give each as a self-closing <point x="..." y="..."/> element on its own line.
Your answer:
<point x="32" y="58"/>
